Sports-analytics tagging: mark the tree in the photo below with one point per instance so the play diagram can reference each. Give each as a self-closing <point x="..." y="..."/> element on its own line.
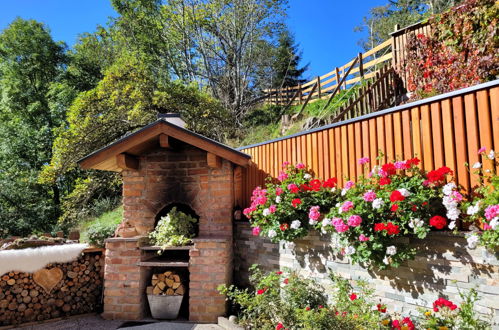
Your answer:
<point x="380" y="21"/>
<point x="31" y="63"/>
<point x="286" y="64"/>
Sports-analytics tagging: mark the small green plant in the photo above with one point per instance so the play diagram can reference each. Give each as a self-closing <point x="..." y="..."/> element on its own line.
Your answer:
<point x="97" y="234"/>
<point x="447" y="315"/>
<point x="174" y="229"/>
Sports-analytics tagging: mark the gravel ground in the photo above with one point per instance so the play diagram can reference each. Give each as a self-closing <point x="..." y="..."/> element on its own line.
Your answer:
<point x="95" y="322"/>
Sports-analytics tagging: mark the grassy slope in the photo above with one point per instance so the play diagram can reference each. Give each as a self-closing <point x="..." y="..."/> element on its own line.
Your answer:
<point x="111" y="217"/>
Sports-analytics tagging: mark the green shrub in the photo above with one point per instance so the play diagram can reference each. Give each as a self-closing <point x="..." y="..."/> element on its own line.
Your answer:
<point x="96" y="235"/>
<point x="175" y="229"/>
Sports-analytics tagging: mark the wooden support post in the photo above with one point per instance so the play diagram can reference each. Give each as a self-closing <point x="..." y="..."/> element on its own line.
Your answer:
<point x="319" y="86"/>
<point x="164" y="141"/>
<point x="361" y="66"/>
<point x="127" y="162"/>
<point x="338" y="80"/>
<point x="213" y="160"/>
<point x="300" y="93"/>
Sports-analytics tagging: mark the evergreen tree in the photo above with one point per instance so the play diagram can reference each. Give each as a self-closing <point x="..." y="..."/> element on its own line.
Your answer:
<point x="287" y="61"/>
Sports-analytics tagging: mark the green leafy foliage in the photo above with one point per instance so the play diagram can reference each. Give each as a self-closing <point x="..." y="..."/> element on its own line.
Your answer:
<point x="31" y="62"/>
<point x="174" y="229"/>
<point x="460" y="52"/>
<point x="95" y="229"/>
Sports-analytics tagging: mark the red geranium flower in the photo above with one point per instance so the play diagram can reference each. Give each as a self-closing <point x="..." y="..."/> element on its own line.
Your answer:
<point x="353" y="296"/>
<point x="307" y="308"/>
<point x="261" y="291"/>
<point x="379" y="226"/>
<point x="305" y="187"/>
<point x="330" y="183"/>
<point x="286" y="281"/>
<point x="438" y="222"/>
<point x="396" y="196"/>
<point x="381" y="308"/>
<point x="279" y="326"/>
<point x="438" y="175"/>
<point x="315" y="185"/>
<point x="392" y="229"/>
<point x="284" y="226"/>
<point x="295" y="202"/>
<point x="384" y="181"/>
<point x="279" y="273"/>
<point x="389" y="169"/>
<point x="394" y="208"/>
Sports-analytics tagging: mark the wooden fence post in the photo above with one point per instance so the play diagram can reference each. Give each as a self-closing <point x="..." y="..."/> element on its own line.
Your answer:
<point x="300" y="94"/>
<point x="338" y="78"/>
<point x="361" y="66"/>
<point x="319" y="86"/>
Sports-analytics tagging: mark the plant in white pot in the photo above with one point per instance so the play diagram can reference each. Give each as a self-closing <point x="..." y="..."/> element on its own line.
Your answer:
<point x="174" y="229"/>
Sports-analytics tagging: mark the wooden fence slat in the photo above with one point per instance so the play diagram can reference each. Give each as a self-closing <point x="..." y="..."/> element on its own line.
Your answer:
<point x="427" y="138"/>
<point x="365" y="143"/>
<point x="472" y="134"/>
<point x="398" y="137"/>
<point x="373" y="143"/>
<point x="344" y="153"/>
<point x="327" y="155"/>
<point x="436" y="123"/>
<point x="320" y="153"/>
<point x="358" y="148"/>
<point x="390" y="147"/>
<point x="485" y="126"/>
<point x="494" y="112"/>
<point x="380" y="128"/>
<point x="337" y="144"/>
<point x="463" y="178"/>
<point x="416" y="135"/>
<point x="332" y="156"/>
<point x="351" y="152"/>
<point x="448" y="132"/>
<point x="407" y="134"/>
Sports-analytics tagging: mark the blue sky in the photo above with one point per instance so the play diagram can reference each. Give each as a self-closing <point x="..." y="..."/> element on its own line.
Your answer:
<point x="323" y="28"/>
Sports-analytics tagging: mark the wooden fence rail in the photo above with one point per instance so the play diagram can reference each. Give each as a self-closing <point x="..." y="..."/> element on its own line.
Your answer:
<point x="443" y="130"/>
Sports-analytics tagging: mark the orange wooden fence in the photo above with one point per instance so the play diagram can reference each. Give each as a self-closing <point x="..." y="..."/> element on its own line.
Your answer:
<point x="443" y="130"/>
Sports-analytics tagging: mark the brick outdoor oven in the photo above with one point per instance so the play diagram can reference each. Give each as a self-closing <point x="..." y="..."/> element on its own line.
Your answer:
<point x="164" y="165"/>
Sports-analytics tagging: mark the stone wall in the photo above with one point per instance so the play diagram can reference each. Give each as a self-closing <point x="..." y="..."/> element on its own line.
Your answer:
<point x="443" y="266"/>
<point x="60" y="289"/>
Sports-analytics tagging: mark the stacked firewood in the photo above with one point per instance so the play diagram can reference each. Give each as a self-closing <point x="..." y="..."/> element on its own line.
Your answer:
<point x="77" y="291"/>
<point x="167" y="283"/>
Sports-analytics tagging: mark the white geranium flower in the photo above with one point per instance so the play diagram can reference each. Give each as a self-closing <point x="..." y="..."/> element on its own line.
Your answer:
<point x="491" y="155"/>
<point x="312" y="222"/>
<point x="295" y="224"/>
<point x="416" y="222"/>
<point x="452" y="225"/>
<point x="307" y="176"/>
<point x="349" y="250"/>
<point x="272" y="233"/>
<point x="278" y="199"/>
<point x="453" y="213"/>
<point x="449" y="202"/>
<point x="472" y="241"/>
<point x="326" y="222"/>
<point x="448" y="188"/>
<point x="386" y="261"/>
<point x="333" y="189"/>
<point x="391" y="250"/>
<point x="494" y="223"/>
<point x="344" y="191"/>
<point x="473" y="209"/>
<point x="377" y="203"/>
<point x="477" y="165"/>
<point x="266" y="212"/>
<point x="404" y="192"/>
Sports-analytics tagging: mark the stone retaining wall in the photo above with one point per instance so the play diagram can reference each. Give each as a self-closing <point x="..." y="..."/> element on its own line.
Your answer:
<point x="443" y="266"/>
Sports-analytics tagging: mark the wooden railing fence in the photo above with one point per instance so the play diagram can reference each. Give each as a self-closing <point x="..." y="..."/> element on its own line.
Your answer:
<point x="365" y="67"/>
<point x="443" y="130"/>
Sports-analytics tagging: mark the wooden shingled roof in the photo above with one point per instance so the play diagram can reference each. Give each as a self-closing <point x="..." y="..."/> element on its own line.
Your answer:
<point x="123" y="153"/>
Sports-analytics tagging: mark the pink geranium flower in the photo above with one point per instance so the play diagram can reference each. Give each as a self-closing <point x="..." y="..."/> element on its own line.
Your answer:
<point x="482" y="149"/>
<point x="363" y="238"/>
<point x="278" y="191"/>
<point x="354" y="220"/>
<point x="491" y="212"/>
<point x="256" y="231"/>
<point x="363" y="161"/>
<point x="349" y="184"/>
<point x="346" y="206"/>
<point x="282" y="176"/>
<point x="369" y="196"/>
<point x="272" y="208"/>
<point x="314" y="213"/>
<point x="339" y="225"/>
<point x="300" y="166"/>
